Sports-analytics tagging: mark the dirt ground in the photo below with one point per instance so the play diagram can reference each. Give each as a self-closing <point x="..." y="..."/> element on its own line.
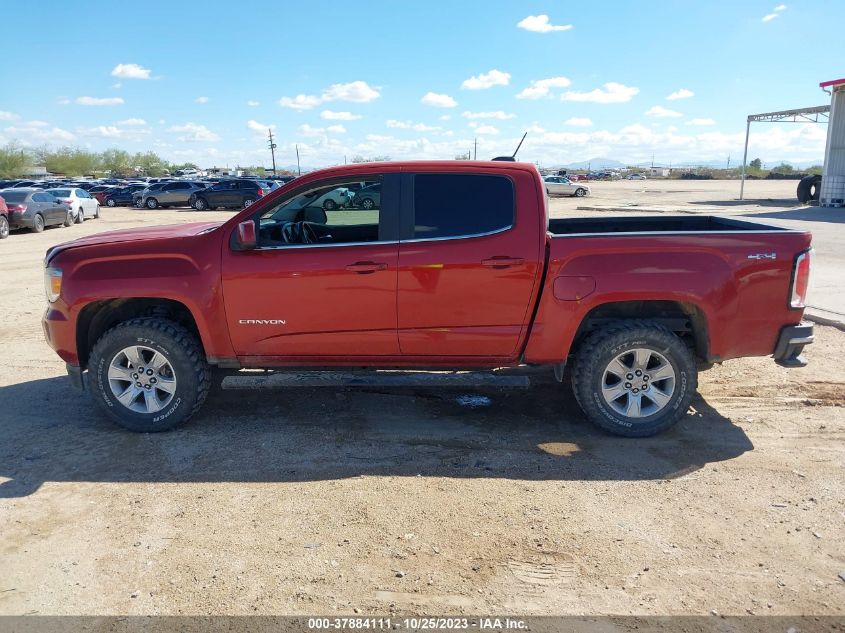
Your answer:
<point x="396" y="501"/>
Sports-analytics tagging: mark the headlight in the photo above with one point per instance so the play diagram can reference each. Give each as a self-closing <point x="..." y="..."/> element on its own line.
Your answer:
<point x="52" y="283"/>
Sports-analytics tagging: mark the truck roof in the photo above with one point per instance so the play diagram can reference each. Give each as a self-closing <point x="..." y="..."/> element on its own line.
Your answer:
<point x="424" y="165"/>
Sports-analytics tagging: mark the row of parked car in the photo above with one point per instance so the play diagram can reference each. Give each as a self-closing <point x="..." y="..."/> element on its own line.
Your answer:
<point x="36" y="209"/>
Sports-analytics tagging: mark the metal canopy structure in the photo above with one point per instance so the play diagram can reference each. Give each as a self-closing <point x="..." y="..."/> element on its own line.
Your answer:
<point x="801" y="115"/>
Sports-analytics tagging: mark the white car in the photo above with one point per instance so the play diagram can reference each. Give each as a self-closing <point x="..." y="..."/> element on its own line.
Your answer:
<point x="636" y="177"/>
<point x="81" y="203"/>
<point x="561" y="185"/>
<point x="334" y="199"/>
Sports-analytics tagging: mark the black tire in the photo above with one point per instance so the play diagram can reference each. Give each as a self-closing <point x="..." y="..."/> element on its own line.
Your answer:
<point x="596" y="354"/>
<point x="68" y="218"/>
<point x="97" y="213"/>
<point x="248" y="202"/>
<point x="329" y="205"/>
<point x="110" y="202"/>
<point x="368" y="203"/>
<point x="580" y="192"/>
<point x="182" y="351"/>
<point x="151" y="203"/>
<point x="809" y="188"/>
<point x="80" y="218"/>
<point x="4" y="227"/>
<point x="38" y="224"/>
<point x="200" y="204"/>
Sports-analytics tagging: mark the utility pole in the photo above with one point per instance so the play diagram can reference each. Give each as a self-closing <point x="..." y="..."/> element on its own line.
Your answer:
<point x="272" y="149"/>
<point x="729" y="162"/>
<point x="475" y="150"/>
<point x="298" y="168"/>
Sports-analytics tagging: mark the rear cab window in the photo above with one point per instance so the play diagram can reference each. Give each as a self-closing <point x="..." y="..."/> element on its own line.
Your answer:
<point x="461" y="205"/>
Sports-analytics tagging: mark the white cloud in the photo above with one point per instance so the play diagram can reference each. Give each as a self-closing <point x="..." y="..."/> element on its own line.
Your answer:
<point x="37" y="124"/>
<point x="486" y="129"/>
<point x="95" y="101"/>
<point x="102" y="131"/>
<point x="252" y="103"/>
<point x="201" y="100"/>
<point x="132" y="121"/>
<point x="701" y="122"/>
<point x="308" y="130"/>
<point x="445" y="117"/>
<point x="662" y="113"/>
<point x="612" y="93"/>
<point x="541" y="24"/>
<point x="130" y="71"/>
<point x="769" y="17"/>
<point x="438" y="100"/>
<point x="116" y="86"/>
<point x="331" y="115"/>
<point x="28" y="133"/>
<point x="498" y="114"/>
<point x="540" y="88"/>
<point x="410" y="125"/>
<point x="354" y="91"/>
<point x="683" y="93"/>
<point x="579" y="121"/>
<point x="487" y="80"/>
<point x="259" y="127"/>
<point x="300" y="102"/>
<point x="194" y="133"/>
<point x="780" y="7"/>
<point x="8" y="116"/>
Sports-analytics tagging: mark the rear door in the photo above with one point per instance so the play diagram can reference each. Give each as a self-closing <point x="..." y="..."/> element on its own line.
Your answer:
<point x="468" y="263"/>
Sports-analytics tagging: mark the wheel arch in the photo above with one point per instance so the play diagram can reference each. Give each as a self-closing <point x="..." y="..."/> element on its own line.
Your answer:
<point x="98" y="317"/>
<point x="686" y="320"/>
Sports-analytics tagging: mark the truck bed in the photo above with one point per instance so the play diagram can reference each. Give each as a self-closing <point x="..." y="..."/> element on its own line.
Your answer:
<point x="655" y="224"/>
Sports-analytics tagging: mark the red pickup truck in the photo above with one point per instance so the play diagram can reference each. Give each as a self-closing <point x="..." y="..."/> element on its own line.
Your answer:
<point x="455" y="266"/>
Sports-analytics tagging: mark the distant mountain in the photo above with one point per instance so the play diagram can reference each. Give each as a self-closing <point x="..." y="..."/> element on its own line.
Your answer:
<point x="593" y="163"/>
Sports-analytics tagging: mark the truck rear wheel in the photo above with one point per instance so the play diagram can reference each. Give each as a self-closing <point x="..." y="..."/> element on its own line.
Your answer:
<point x="634" y="378"/>
<point x="149" y="374"/>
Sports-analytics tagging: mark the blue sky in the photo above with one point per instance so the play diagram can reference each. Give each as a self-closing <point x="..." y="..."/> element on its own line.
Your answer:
<point x="202" y="81"/>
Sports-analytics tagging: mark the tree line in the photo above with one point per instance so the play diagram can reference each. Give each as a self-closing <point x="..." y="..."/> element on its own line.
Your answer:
<point x="17" y="161"/>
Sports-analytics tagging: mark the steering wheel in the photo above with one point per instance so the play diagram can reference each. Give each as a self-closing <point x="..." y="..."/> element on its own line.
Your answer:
<point x="299" y="233"/>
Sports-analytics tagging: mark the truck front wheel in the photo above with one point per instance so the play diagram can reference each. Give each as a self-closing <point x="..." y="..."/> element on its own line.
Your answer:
<point x="634" y="378"/>
<point x="149" y="374"/>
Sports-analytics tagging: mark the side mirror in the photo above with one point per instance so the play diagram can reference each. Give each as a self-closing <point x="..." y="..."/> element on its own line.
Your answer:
<point x="246" y="238"/>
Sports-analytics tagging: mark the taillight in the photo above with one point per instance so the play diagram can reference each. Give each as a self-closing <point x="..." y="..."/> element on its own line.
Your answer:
<point x="17" y="207"/>
<point x="800" y="280"/>
<point x="260" y="191"/>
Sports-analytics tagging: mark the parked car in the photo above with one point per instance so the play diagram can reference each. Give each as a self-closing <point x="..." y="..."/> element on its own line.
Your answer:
<point x="465" y="272"/>
<point x="81" y="204"/>
<point x="123" y="196"/>
<point x="4" y="219"/>
<point x="235" y="194"/>
<point x="170" y="194"/>
<point x="34" y="209"/>
<point x="561" y="185"/>
<point x="368" y="197"/>
<point x="636" y="177"/>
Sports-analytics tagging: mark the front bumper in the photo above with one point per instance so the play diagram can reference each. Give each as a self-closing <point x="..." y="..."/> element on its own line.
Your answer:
<point x="791" y="343"/>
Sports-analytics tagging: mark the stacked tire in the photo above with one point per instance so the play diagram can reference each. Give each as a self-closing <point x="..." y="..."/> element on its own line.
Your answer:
<point x="809" y="188"/>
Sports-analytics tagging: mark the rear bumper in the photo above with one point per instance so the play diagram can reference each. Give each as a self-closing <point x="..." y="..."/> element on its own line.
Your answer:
<point x="791" y="343"/>
<point x="21" y="220"/>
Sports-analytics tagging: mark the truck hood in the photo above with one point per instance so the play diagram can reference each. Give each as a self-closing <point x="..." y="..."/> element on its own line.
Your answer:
<point x="135" y="235"/>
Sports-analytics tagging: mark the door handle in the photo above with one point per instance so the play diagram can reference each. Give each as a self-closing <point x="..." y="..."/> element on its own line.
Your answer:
<point x="365" y="268"/>
<point x="502" y="261"/>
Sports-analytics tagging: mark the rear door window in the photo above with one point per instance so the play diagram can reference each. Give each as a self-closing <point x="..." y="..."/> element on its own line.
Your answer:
<point x="457" y="205"/>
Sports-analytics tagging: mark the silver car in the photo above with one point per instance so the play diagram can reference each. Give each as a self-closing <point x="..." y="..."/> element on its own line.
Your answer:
<point x="170" y="194"/>
<point x="561" y="185"/>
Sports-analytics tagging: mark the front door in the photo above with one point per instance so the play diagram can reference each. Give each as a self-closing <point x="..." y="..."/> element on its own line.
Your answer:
<point x="320" y="285"/>
<point x="468" y="268"/>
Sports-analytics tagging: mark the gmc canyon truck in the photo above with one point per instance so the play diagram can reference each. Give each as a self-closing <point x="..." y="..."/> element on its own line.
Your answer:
<point x="458" y="267"/>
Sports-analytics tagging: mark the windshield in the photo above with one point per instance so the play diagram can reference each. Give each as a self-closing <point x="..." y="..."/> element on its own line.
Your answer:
<point x="59" y="193"/>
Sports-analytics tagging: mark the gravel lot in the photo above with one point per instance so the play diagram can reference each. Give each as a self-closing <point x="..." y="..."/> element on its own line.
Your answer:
<point x="423" y="501"/>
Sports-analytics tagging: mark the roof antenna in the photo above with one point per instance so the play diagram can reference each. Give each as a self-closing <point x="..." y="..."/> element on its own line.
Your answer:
<point x="512" y="158"/>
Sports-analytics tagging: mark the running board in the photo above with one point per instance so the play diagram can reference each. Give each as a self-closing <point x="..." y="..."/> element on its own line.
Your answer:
<point x="281" y="380"/>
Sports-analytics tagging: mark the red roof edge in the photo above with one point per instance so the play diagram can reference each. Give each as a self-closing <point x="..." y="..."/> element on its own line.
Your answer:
<point x="833" y="82"/>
